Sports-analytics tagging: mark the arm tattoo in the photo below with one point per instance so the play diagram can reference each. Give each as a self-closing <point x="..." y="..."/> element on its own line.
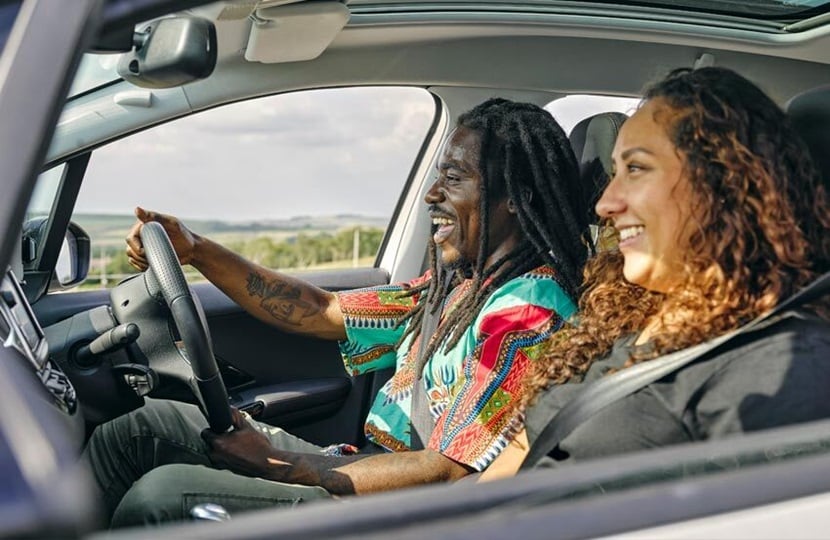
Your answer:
<point x="280" y="299"/>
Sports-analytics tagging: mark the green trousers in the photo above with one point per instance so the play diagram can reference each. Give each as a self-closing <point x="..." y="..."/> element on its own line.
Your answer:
<point x="151" y="466"/>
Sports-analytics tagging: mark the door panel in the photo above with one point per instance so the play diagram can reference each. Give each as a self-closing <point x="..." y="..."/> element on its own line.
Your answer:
<point x="293" y="382"/>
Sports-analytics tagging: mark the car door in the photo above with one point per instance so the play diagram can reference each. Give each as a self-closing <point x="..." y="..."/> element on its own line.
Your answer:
<point x="280" y="180"/>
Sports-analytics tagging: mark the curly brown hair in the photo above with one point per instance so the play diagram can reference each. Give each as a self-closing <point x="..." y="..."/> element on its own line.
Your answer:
<point x="760" y="231"/>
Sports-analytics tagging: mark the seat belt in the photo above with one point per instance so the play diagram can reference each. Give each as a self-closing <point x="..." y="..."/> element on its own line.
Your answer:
<point x="421" y="423"/>
<point x="608" y="390"/>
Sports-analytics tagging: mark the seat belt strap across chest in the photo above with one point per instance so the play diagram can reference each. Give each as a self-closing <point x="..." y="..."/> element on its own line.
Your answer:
<point x="421" y="423"/>
<point x="603" y="392"/>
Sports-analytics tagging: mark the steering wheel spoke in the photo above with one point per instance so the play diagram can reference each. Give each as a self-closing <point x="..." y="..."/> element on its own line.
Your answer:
<point x="189" y="318"/>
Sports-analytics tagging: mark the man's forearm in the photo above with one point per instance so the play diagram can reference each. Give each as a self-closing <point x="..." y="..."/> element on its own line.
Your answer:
<point x="362" y="474"/>
<point x="279" y="300"/>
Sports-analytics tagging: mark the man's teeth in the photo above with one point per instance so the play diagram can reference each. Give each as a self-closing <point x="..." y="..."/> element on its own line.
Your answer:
<point x="631" y="232"/>
<point x="442" y="221"/>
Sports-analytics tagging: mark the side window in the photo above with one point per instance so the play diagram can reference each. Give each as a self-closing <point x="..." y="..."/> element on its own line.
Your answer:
<point x="35" y="222"/>
<point x="570" y="110"/>
<point x="306" y="180"/>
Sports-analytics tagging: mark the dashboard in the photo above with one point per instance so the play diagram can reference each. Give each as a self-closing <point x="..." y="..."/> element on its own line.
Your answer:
<point x="20" y="330"/>
<point x="18" y="326"/>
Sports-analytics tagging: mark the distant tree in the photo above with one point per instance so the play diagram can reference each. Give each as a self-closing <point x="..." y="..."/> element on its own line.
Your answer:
<point x="118" y="264"/>
<point x="370" y="240"/>
<point x="259" y="250"/>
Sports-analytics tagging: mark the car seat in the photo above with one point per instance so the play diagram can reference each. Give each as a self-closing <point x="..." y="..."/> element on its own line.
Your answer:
<point x="810" y="116"/>
<point x="593" y="140"/>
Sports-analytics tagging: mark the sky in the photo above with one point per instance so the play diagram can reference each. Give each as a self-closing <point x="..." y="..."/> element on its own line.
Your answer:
<point x="280" y="156"/>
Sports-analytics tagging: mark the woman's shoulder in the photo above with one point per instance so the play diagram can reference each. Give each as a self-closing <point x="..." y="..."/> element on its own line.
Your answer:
<point x="793" y="346"/>
<point x="797" y="331"/>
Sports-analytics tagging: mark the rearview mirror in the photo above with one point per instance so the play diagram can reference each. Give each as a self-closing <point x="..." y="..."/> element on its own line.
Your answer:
<point x="170" y="52"/>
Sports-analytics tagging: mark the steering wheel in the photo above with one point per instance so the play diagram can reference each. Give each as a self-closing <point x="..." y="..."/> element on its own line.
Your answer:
<point x="167" y="272"/>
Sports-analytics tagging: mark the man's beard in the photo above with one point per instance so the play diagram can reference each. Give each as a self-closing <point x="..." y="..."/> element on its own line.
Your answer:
<point x="460" y="265"/>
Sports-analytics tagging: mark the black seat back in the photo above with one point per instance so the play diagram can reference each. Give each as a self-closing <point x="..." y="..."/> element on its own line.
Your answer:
<point x="593" y="141"/>
<point x="810" y="115"/>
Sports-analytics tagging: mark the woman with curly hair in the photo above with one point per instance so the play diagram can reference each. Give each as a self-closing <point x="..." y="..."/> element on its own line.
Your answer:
<point x="720" y="215"/>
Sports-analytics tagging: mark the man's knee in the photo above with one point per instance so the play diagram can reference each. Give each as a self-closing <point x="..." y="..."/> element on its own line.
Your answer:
<point x="155" y="498"/>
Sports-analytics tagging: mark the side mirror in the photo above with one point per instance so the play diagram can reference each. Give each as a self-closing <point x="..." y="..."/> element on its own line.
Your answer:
<point x="72" y="266"/>
<point x="170" y="52"/>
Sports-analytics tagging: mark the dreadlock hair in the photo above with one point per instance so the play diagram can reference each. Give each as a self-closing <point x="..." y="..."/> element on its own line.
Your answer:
<point x="525" y="156"/>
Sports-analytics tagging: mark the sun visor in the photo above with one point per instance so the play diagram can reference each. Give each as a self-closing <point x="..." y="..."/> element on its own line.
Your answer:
<point x="294" y="32"/>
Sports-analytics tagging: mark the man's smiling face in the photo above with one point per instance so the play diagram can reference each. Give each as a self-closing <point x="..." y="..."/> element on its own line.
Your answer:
<point x="454" y="204"/>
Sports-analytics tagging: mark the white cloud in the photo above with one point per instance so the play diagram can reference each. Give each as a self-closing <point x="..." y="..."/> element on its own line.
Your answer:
<point x="310" y="153"/>
<point x="305" y="153"/>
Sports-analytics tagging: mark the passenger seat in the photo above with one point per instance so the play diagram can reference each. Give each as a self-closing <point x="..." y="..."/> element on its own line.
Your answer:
<point x="593" y="141"/>
<point x="810" y="115"/>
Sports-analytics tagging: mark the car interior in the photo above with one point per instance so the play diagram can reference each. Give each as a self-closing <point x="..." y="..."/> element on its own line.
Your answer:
<point x="83" y="356"/>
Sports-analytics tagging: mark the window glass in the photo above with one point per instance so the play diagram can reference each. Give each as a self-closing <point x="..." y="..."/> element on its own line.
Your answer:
<point x="46" y="189"/>
<point x="94" y="70"/>
<point x="306" y="180"/>
<point x="35" y="222"/>
<point x="570" y="110"/>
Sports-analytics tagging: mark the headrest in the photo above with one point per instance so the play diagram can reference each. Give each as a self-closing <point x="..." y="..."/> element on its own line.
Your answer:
<point x="593" y="140"/>
<point x="810" y="116"/>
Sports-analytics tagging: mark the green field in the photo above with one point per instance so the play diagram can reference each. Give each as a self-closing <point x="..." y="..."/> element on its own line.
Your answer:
<point x="296" y="244"/>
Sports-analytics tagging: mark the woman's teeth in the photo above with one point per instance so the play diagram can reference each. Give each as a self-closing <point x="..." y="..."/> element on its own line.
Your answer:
<point x="631" y="232"/>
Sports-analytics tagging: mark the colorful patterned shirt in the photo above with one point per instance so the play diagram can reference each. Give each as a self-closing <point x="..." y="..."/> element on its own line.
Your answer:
<point x="467" y="387"/>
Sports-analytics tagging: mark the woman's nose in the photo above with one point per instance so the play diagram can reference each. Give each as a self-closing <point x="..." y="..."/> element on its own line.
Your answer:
<point x="611" y="203"/>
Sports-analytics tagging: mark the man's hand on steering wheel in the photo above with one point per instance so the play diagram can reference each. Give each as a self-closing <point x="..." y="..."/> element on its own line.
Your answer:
<point x="164" y="276"/>
<point x="183" y="240"/>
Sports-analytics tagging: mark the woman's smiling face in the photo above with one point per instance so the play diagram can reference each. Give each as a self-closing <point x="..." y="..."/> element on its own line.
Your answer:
<point x="649" y="199"/>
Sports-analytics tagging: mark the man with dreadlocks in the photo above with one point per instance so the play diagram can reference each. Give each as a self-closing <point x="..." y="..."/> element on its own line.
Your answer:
<point x="509" y="217"/>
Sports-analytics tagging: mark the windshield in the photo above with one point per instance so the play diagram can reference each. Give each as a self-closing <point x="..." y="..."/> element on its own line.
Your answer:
<point x="94" y="70"/>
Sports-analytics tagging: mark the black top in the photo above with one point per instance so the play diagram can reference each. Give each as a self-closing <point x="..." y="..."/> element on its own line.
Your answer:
<point x="773" y="377"/>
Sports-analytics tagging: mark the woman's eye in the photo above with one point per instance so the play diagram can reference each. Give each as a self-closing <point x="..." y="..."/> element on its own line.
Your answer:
<point x="634" y="167"/>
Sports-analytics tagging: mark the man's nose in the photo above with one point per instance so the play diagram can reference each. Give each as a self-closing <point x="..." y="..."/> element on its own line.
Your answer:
<point x="434" y="193"/>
